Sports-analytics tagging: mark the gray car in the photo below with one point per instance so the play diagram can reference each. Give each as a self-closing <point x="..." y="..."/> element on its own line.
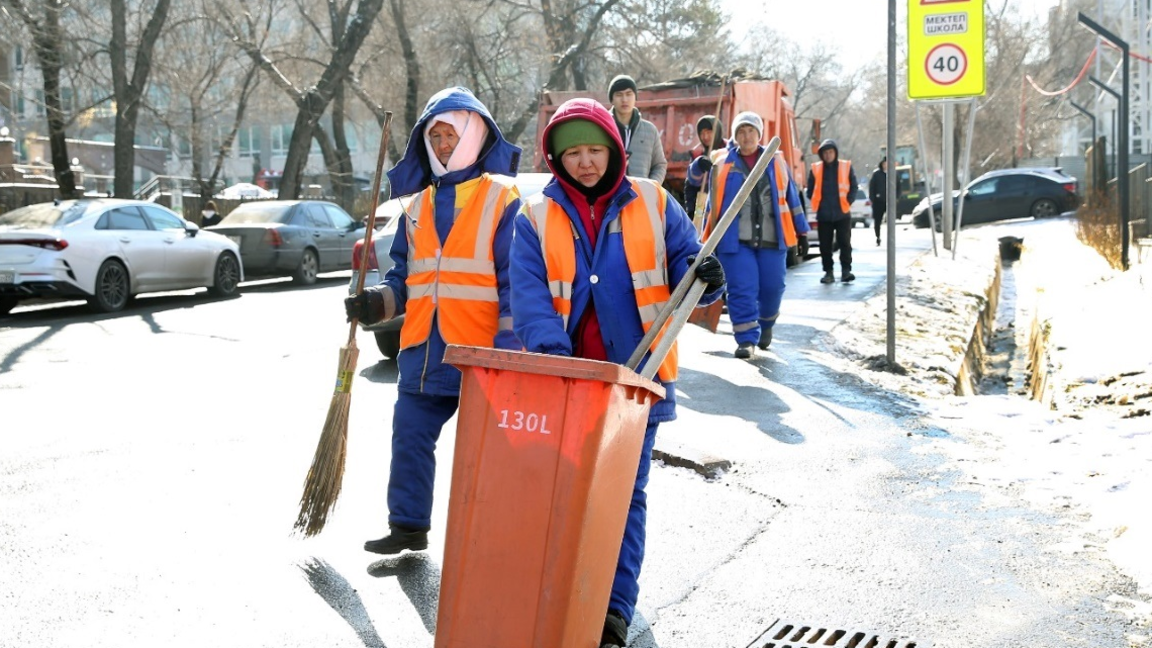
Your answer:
<point x="297" y="238"/>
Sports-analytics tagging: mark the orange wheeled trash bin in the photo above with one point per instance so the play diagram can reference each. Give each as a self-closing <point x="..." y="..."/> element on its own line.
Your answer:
<point x="547" y="449"/>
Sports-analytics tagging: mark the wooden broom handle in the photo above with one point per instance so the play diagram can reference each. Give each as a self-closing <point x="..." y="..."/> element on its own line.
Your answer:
<point x="370" y="225"/>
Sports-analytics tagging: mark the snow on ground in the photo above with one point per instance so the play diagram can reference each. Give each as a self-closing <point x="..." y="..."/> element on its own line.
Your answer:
<point x="1087" y="452"/>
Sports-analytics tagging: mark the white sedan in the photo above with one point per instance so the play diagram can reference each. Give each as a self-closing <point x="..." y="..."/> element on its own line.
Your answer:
<point x="107" y="251"/>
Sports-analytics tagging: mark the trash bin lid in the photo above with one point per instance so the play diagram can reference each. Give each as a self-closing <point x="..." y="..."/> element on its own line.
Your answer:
<point x="549" y="365"/>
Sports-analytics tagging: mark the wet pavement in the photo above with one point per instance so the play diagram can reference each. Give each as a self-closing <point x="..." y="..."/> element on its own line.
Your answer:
<point x="856" y="500"/>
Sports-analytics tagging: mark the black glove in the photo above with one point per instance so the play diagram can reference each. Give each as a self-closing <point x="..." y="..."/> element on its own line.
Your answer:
<point x="705" y="164"/>
<point x="357" y="306"/>
<point x="710" y="271"/>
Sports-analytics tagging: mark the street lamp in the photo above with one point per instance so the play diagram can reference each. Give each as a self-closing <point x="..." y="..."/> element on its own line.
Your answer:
<point x="1117" y="96"/>
<point x="1122" y="172"/>
<point x="1097" y="156"/>
<point x="1084" y="111"/>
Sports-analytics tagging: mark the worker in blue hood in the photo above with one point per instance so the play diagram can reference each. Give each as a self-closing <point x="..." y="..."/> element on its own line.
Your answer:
<point x="449" y="279"/>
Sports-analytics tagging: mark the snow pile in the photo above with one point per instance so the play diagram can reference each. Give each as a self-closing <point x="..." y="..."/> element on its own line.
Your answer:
<point x="938" y="304"/>
<point x="1088" y="448"/>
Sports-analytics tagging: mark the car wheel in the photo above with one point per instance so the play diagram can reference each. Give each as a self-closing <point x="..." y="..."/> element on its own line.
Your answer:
<point x="1045" y="208"/>
<point x="7" y="304"/>
<point x="308" y="269"/>
<point x="388" y="342"/>
<point x="226" y="278"/>
<point x="112" y="287"/>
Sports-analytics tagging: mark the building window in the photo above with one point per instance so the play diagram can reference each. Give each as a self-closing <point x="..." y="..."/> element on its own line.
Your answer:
<point x="183" y="147"/>
<point x="249" y="142"/>
<point x="281" y="136"/>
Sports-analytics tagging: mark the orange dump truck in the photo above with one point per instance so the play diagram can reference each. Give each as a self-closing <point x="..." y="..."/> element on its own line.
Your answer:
<point x="675" y="106"/>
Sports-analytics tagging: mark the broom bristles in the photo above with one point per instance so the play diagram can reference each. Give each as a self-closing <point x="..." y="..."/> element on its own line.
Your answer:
<point x="322" y="485"/>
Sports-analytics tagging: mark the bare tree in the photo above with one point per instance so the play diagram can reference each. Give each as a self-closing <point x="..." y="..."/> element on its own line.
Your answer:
<point x="657" y="40"/>
<point x="208" y="86"/>
<point x="128" y="88"/>
<point x="48" y="43"/>
<point x="312" y="101"/>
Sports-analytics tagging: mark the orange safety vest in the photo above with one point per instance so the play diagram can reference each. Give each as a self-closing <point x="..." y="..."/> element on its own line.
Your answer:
<point x="641" y="223"/>
<point x="841" y="181"/>
<point x="781" y="177"/>
<point x="457" y="281"/>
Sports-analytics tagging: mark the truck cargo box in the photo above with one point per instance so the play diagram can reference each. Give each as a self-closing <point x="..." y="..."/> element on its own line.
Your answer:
<point x="675" y="106"/>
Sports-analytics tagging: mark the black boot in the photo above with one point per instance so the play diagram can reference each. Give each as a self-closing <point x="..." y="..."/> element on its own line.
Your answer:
<point x="398" y="539"/>
<point x="615" y="633"/>
<point x="765" y="338"/>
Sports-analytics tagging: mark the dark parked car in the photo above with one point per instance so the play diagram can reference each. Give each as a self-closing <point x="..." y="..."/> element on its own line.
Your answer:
<point x="297" y="238"/>
<point x="1008" y="193"/>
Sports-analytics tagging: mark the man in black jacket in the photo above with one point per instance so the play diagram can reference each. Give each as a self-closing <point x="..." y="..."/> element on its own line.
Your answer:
<point x="831" y="189"/>
<point x="878" y="194"/>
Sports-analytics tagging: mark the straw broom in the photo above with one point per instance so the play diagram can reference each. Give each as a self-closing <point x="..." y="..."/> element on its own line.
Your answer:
<point x="322" y="485"/>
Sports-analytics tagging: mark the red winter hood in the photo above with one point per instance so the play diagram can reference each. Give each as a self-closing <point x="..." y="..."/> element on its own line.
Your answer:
<point x="594" y="112"/>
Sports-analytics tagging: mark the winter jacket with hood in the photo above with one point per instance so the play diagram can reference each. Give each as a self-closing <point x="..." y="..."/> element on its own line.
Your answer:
<point x="421" y="367"/>
<point x="603" y="280"/>
<point x="645" y="152"/>
<point x="878" y="188"/>
<point x="829" y="208"/>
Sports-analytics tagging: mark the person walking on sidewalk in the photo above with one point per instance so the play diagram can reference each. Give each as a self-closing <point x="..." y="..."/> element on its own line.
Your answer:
<point x="595" y="258"/>
<point x="831" y="188"/>
<point x="708" y="129"/>
<point x="878" y="194"/>
<point x="642" y="148"/>
<point x="449" y="279"/>
<point x="754" y="250"/>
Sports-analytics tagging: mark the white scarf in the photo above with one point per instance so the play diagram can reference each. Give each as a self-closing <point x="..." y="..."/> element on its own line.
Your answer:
<point x="471" y="129"/>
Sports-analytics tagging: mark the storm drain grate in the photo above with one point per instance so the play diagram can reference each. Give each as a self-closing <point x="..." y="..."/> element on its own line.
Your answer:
<point x="786" y="634"/>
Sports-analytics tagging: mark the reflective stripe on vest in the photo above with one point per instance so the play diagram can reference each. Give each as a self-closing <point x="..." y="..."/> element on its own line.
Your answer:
<point x="641" y="222"/>
<point x="784" y="212"/>
<point x="842" y="170"/>
<point x="455" y="284"/>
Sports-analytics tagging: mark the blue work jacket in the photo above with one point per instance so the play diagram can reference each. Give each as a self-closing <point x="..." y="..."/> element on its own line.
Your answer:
<point x="540" y="328"/>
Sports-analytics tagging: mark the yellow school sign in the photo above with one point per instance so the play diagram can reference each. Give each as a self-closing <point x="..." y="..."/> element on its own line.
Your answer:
<point x="945" y="48"/>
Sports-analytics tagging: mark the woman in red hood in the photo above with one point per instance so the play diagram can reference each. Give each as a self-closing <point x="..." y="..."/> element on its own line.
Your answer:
<point x="613" y="249"/>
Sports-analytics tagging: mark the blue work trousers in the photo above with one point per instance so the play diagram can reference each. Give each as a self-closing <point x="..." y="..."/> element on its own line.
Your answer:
<point x="626" y="585"/>
<point x="755" y="289"/>
<point x="416" y="424"/>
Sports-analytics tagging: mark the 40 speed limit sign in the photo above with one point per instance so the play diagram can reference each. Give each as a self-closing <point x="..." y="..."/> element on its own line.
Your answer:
<point x="945" y="48"/>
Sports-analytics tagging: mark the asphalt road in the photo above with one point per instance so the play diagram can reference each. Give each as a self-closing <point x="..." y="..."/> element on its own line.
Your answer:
<point x="152" y="462"/>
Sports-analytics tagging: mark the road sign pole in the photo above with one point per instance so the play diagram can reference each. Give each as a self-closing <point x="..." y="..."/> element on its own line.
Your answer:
<point x="949" y="172"/>
<point x="890" y="190"/>
<point x="965" y="171"/>
<point x="927" y="181"/>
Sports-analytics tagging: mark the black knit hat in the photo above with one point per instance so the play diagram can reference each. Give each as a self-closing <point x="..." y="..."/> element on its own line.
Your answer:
<point x="717" y="126"/>
<point x="621" y="82"/>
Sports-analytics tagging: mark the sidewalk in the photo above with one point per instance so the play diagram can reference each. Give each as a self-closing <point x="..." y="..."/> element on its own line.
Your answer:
<point x="866" y="499"/>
